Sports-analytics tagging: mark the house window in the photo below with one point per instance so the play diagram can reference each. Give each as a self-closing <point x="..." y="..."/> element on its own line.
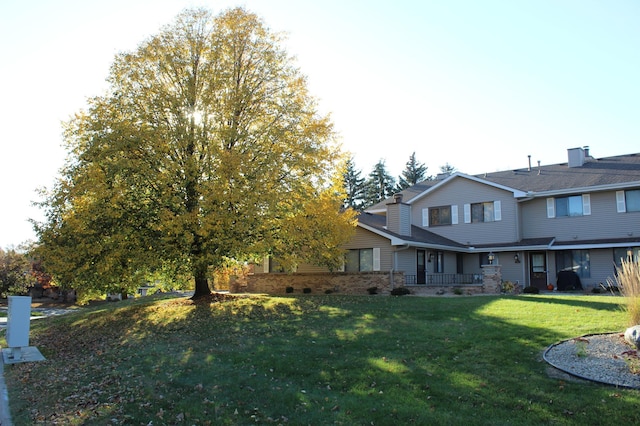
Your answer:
<point x="362" y="260"/>
<point x="574" y="260"/>
<point x="440" y="216"/>
<point x="625" y="253"/>
<point x="438" y="262"/>
<point x="632" y="199"/>
<point x="628" y="201"/>
<point x="575" y="205"/>
<point x="481" y="212"/>
<point x="569" y="206"/>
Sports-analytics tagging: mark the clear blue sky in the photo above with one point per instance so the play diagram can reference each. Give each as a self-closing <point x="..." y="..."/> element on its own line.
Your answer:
<point x="477" y="84"/>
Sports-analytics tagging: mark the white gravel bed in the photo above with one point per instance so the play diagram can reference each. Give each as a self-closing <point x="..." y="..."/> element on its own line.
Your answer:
<point x="596" y="357"/>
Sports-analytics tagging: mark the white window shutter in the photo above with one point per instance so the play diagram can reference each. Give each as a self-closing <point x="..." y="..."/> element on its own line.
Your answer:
<point x="425" y="218"/>
<point x="497" y="210"/>
<point x="586" y="204"/>
<point x="265" y="264"/>
<point x="454" y="214"/>
<point x="551" y="207"/>
<point x="621" y="204"/>
<point x="376" y="258"/>
<point x="467" y="213"/>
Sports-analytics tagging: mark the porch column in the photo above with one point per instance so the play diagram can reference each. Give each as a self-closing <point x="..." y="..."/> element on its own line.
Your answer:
<point x="491" y="278"/>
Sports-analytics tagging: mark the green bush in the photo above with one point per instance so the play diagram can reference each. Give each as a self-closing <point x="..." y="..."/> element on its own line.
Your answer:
<point x="372" y="290"/>
<point x="288" y="289"/>
<point x="400" y="291"/>
<point x="306" y="290"/>
<point x="531" y="290"/>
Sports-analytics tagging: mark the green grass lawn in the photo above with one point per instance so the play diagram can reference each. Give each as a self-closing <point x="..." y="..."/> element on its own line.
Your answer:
<point x="317" y="360"/>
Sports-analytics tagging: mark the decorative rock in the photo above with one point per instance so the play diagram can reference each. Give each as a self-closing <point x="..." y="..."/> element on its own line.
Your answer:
<point x="632" y="336"/>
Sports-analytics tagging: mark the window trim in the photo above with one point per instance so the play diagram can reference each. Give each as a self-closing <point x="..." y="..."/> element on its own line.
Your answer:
<point x="439" y="208"/>
<point x="497" y="211"/>
<point x="552" y="206"/>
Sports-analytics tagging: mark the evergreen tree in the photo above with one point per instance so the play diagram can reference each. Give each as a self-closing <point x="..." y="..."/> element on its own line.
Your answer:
<point x="448" y="169"/>
<point x="413" y="173"/>
<point x="354" y="186"/>
<point x="379" y="185"/>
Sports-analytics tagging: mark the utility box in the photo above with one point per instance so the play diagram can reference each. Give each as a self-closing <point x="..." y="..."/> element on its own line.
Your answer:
<point x="18" y="321"/>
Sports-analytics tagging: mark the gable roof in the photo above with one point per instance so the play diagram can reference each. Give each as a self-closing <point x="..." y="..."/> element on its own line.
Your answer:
<point x="378" y="224"/>
<point x="606" y="173"/>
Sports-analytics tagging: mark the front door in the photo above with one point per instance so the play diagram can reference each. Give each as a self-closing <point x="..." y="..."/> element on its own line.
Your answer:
<point x="538" y="270"/>
<point x="421" y="277"/>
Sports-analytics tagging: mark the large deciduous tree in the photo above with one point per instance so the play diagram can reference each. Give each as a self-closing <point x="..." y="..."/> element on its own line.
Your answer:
<point x="207" y="146"/>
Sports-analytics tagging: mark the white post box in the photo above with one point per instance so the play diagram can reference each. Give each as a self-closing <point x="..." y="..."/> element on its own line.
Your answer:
<point x="18" y="321"/>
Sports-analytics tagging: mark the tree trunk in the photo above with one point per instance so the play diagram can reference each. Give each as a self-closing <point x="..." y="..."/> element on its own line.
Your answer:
<point x="202" y="283"/>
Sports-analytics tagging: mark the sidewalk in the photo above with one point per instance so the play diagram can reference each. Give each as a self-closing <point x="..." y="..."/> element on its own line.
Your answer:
<point x="5" y="414"/>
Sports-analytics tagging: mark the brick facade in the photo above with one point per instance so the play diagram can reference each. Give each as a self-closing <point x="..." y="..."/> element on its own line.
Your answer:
<point x="318" y="283"/>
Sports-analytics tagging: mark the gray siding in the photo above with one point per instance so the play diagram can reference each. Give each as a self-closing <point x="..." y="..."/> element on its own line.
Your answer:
<point x="367" y="239"/>
<point x="399" y="218"/>
<point x="462" y="191"/>
<point x="604" y="221"/>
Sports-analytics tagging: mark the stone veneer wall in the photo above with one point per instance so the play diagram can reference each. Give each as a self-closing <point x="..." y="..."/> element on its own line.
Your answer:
<point x="492" y="278"/>
<point x="319" y="283"/>
<point x="357" y="283"/>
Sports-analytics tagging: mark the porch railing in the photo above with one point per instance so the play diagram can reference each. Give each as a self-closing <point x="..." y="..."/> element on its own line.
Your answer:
<point x="444" y="279"/>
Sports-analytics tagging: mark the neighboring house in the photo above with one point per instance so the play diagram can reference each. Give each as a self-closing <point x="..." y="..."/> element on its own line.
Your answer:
<point x="581" y="216"/>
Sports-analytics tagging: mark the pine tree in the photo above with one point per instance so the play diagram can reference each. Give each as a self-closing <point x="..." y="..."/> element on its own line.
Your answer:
<point x="354" y="186"/>
<point x="379" y="185"/>
<point x="413" y="173"/>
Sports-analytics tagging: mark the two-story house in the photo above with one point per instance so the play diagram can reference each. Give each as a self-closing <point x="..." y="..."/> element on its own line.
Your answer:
<point x="581" y="216"/>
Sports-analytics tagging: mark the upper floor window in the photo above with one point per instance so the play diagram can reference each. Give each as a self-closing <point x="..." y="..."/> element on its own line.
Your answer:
<point x="575" y="205"/>
<point x="569" y="206"/>
<point x="438" y="216"/>
<point x="628" y="201"/>
<point x="482" y="212"/>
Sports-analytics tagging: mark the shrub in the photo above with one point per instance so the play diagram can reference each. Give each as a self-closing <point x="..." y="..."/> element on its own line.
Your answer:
<point x="531" y="290"/>
<point x="306" y="290"/>
<point x="328" y="291"/>
<point x="400" y="291"/>
<point x="373" y="290"/>
<point x="508" y="287"/>
<point x="457" y="291"/>
<point x="289" y="289"/>
<point x="627" y="280"/>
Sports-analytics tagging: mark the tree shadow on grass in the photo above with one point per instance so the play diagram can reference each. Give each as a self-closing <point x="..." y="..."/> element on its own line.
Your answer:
<point x="331" y="359"/>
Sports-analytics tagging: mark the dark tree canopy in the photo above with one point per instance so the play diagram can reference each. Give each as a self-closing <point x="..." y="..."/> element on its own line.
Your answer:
<point x="354" y="186"/>
<point x="413" y="173"/>
<point x="380" y="184"/>
<point x="207" y="146"/>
